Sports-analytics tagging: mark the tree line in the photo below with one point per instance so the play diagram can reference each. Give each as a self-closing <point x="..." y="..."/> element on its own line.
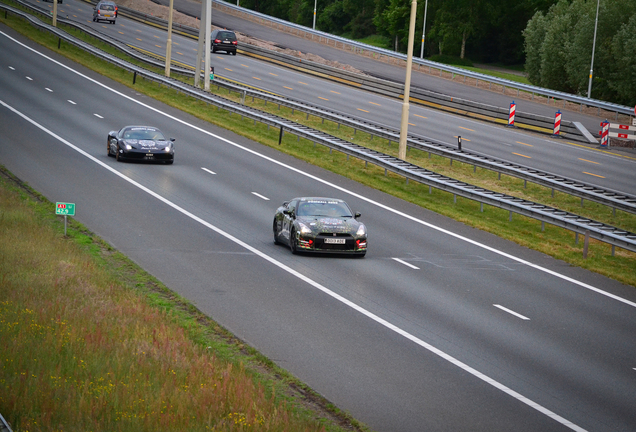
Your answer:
<point x="559" y="43"/>
<point x="553" y="38"/>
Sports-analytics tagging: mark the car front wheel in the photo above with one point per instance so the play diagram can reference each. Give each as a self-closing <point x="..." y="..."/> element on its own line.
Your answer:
<point x="118" y="154"/>
<point x="292" y="242"/>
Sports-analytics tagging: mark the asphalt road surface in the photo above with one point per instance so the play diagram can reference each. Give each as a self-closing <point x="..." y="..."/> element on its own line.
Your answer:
<point x="559" y="156"/>
<point x="373" y="67"/>
<point x="440" y="327"/>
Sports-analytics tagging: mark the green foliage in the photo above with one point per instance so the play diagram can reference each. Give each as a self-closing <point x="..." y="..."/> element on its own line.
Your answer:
<point x="559" y="46"/>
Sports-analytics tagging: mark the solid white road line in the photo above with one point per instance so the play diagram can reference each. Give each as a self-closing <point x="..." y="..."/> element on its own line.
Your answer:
<point x="98" y="116"/>
<point x="29" y="78"/>
<point x="48" y="89"/>
<point x="207" y="170"/>
<point x="70" y="101"/>
<point x="405" y="263"/>
<point x="309" y="281"/>
<point x="518" y="315"/>
<point x="260" y="196"/>
<point x="361" y="197"/>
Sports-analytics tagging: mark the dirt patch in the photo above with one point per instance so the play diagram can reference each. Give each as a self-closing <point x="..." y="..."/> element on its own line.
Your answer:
<point x="150" y="8"/>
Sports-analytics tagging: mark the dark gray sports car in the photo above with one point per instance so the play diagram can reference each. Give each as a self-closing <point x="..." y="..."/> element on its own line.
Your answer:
<point x="141" y="143"/>
<point x="325" y="225"/>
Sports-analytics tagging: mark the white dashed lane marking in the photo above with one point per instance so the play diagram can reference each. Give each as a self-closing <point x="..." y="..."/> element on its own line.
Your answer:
<point x="518" y="315"/>
<point x="405" y="263"/>
<point x="207" y="170"/>
<point x="260" y="196"/>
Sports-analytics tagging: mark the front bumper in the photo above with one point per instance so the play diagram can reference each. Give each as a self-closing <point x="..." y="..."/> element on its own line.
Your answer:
<point x="147" y="155"/>
<point x="319" y="244"/>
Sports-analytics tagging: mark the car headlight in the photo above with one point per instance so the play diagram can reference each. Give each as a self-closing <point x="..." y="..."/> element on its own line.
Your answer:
<point x="362" y="230"/>
<point x="304" y="229"/>
<point x="168" y="148"/>
<point x="128" y="147"/>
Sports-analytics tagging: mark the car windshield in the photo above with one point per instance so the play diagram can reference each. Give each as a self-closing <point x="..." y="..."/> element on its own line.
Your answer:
<point x="323" y="208"/>
<point x="144" y="134"/>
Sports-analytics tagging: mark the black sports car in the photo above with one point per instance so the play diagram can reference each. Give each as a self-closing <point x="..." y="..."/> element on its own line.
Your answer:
<point x="140" y="143"/>
<point x="325" y="225"/>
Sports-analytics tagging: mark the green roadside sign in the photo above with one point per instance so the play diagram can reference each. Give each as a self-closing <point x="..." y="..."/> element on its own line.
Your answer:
<point x="65" y="209"/>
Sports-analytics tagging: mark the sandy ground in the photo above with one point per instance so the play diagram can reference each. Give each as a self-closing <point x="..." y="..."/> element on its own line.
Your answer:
<point x="151" y="8"/>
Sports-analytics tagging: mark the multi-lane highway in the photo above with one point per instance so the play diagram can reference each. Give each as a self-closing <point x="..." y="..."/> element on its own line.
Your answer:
<point x="559" y="156"/>
<point x="440" y="327"/>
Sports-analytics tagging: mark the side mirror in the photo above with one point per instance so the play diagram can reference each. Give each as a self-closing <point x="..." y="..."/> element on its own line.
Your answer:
<point x="357" y="215"/>
<point x="172" y="139"/>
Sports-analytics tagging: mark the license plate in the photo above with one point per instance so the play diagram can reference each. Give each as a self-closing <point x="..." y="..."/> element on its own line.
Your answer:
<point x="227" y="41"/>
<point x="107" y="15"/>
<point x="335" y="240"/>
<point x="150" y="156"/>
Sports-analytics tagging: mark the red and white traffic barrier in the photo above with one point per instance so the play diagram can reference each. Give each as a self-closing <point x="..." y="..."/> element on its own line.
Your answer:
<point x="557" y="123"/>
<point x="623" y="128"/>
<point x="604" y="134"/>
<point x="511" y="114"/>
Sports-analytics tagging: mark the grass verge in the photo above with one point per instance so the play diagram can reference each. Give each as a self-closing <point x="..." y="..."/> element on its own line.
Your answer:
<point x="92" y="342"/>
<point x="553" y="241"/>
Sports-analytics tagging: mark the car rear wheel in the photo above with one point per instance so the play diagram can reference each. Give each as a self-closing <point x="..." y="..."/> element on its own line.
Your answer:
<point x="233" y="53"/>
<point x="108" y="149"/>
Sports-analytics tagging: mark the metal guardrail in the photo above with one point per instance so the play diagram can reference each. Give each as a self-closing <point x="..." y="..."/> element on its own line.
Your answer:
<point x="378" y="85"/>
<point x="4" y="426"/>
<point x="621" y="109"/>
<point x="580" y="225"/>
<point x="611" y="198"/>
<point x="579" y="189"/>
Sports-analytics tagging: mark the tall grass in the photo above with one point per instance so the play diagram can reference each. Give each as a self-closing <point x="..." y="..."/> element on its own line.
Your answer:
<point x="81" y="351"/>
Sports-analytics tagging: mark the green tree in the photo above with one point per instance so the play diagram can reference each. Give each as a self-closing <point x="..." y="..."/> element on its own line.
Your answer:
<point x="559" y="43"/>
<point x="623" y="78"/>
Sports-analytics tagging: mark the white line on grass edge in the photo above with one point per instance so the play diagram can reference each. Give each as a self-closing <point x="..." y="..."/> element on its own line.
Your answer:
<point x="282" y="266"/>
<point x="309" y="281"/>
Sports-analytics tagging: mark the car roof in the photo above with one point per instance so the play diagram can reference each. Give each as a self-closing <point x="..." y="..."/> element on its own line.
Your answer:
<point x="139" y="127"/>
<point x="319" y="199"/>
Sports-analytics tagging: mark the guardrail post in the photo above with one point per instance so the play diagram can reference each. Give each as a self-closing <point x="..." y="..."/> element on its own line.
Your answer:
<point x="59" y="42"/>
<point x="459" y="142"/>
<point x="586" y="243"/>
<point x="134" y="77"/>
<point x="280" y="136"/>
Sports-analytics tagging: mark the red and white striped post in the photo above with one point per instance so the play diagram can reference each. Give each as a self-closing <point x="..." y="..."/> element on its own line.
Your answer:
<point x="511" y="114"/>
<point x="604" y="134"/>
<point x="557" y="123"/>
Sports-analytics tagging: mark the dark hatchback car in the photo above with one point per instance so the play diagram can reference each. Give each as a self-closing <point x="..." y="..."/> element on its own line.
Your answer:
<point x="224" y="40"/>
<point x="142" y="143"/>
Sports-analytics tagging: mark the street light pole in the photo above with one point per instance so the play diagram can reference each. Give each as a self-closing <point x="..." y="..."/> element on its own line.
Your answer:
<point x="169" y="42"/>
<point x="589" y="86"/>
<point x="424" y="30"/>
<point x="315" y="4"/>
<point x="404" y="127"/>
